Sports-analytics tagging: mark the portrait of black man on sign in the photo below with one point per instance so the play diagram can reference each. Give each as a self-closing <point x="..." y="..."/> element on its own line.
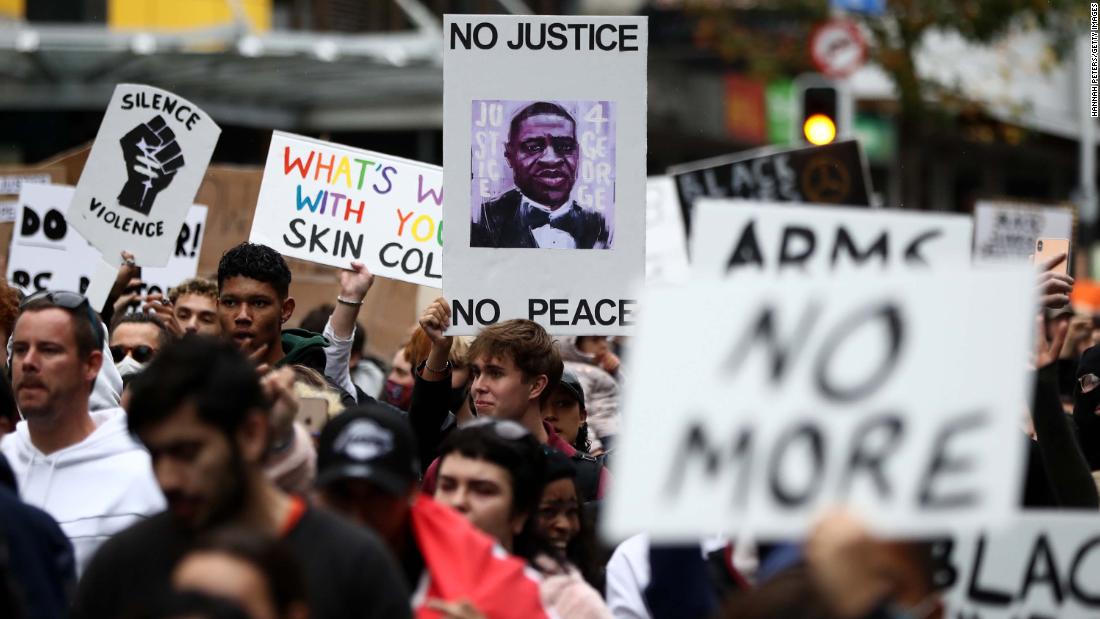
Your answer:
<point x="543" y="174"/>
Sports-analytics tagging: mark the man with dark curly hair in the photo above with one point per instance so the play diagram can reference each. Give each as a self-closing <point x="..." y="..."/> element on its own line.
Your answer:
<point x="253" y="304"/>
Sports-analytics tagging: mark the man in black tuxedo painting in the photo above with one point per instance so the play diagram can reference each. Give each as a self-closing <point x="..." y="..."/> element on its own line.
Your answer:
<point x="543" y="152"/>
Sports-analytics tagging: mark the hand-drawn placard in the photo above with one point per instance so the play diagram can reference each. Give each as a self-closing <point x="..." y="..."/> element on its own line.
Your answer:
<point x="332" y="204"/>
<point x="142" y="174"/>
<point x="545" y="125"/>
<point x="885" y="392"/>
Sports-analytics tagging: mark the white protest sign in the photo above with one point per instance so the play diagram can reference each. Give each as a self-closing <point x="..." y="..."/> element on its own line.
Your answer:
<point x="1008" y="230"/>
<point x="735" y="236"/>
<point x="184" y="261"/>
<point x="1043" y="564"/>
<point x="49" y="254"/>
<point x="545" y="140"/>
<point x="666" y="259"/>
<point x="12" y="184"/>
<point x="894" y="394"/>
<point x="7" y="210"/>
<point x="333" y="204"/>
<point x="146" y="164"/>
<point x="46" y="253"/>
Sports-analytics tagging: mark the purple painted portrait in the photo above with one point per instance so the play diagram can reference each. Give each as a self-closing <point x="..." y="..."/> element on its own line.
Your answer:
<point x="543" y="174"/>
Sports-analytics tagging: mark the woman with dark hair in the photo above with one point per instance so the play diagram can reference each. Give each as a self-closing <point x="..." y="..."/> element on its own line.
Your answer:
<point x="562" y="522"/>
<point x="493" y="472"/>
<point x="249" y="568"/>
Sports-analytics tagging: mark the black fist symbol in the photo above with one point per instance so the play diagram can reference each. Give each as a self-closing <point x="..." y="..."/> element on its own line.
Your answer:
<point x="152" y="159"/>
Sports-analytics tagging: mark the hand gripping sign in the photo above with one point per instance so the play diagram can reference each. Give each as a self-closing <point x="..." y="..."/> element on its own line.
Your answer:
<point x="146" y="164"/>
<point x="891" y="393"/>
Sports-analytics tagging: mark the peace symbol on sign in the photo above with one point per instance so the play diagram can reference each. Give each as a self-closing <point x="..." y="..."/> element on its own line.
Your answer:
<point x="824" y="179"/>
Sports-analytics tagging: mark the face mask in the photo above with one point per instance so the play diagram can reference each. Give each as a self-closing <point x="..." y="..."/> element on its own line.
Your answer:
<point x="128" y="366"/>
<point x="397" y="394"/>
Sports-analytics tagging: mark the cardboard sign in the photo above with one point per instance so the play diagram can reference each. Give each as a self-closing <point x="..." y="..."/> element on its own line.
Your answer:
<point x="544" y="139"/>
<point x="892" y="394"/>
<point x="332" y="204"/>
<point x="1043" y="564"/>
<point x="666" y="259"/>
<point x="735" y="236"/>
<point x="1008" y="230"/>
<point x="145" y="166"/>
<point x="832" y="174"/>
<point x="47" y="253"/>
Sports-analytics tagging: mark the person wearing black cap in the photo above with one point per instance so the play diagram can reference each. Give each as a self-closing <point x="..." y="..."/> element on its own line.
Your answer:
<point x="565" y="411"/>
<point x="367" y="470"/>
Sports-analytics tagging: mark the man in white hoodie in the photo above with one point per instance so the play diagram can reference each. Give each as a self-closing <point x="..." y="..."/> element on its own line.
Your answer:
<point x="81" y="467"/>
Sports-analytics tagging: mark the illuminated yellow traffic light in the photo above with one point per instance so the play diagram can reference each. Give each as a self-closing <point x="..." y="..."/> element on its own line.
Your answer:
<point x="819" y="129"/>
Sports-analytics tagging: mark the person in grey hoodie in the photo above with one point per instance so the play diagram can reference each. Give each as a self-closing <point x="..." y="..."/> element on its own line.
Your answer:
<point x="80" y="466"/>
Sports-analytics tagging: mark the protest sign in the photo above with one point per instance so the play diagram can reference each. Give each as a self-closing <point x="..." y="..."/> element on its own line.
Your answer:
<point x="1042" y="564"/>
<point x="891" y="393"/>
<point x="548" y="218"/>
<point x="1008" y="230"/>
<point x="11" y="184"/>
<point x="832" y="174"/>
<point x="48" y="253"/>
<point x="666" y="258"/>
<point x="736" y="236"/>
<point x="141" y="176"/>
<point x="333" y="204"/>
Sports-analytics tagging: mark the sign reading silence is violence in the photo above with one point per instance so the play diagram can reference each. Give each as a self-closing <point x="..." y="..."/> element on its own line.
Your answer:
<point x="142" y="174"/>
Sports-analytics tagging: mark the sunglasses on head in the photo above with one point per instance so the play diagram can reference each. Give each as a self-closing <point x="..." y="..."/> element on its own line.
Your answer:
<point x="71" y="301"/>
<point x="141" y="353"/>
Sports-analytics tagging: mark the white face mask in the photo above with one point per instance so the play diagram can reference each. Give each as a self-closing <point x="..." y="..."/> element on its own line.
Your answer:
<point x="128" y="366"/>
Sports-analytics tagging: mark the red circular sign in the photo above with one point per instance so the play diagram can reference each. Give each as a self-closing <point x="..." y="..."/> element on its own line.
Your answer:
<point x="837" y="48"/>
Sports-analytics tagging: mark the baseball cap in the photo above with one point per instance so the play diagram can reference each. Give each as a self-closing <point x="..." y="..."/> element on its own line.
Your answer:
<point x="370" y="442"/>
<point x="572" y="384"/>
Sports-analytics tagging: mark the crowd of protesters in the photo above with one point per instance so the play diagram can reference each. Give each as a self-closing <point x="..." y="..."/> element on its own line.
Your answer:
<point x="198" y="458"/>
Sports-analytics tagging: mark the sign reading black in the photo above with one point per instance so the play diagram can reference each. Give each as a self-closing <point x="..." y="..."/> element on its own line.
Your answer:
<point x="831" y="174"/>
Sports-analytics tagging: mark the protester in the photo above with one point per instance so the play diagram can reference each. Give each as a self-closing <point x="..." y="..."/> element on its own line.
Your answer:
<point x="561" y="521"/>
<point x="597" y="367"/>
<point x="367" y="373"/>
<point x="368" y="472"/>
<point x="253" y="304"/>
<point x="9" y="311"/>
<point x="194" y="304"/>
<point x="492" y="472"/>
<point x="566" y="412"/>
<point x="514" y="366"/>
<point x="399" y="382"/>
<point x="205" y="418"/>
<point x="9" y="412"/>
<point x="342" y="333"/>
<point x="135" y="339"/>
<point x="36" y="561"/>
<point x="245" y="566"/>
<point x="457" y="399"/>
<point x="80" y="466"/>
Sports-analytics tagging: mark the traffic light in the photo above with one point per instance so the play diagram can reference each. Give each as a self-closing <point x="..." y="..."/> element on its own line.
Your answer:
<point x="820" y="114"/>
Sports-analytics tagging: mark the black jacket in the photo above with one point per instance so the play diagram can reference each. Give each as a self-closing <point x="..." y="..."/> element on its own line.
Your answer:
<point x="507" y="223"/>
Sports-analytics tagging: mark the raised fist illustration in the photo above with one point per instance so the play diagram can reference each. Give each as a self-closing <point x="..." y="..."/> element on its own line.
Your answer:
<point x="152" y="159"/>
